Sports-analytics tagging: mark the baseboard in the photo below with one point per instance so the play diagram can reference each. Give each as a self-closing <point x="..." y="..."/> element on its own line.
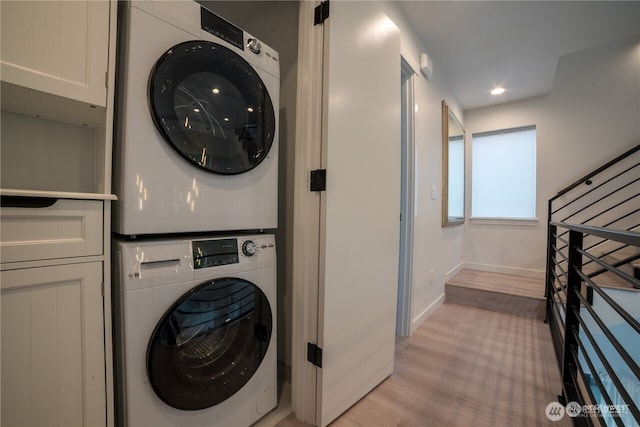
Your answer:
<point x="417" y="321"/>
<point x="538" y="274"/>
<point x="455" y="270"/>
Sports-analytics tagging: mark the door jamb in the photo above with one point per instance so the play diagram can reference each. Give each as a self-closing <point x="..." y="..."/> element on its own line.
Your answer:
<point x="306" y="213"/>
<point x="405" y="276"/>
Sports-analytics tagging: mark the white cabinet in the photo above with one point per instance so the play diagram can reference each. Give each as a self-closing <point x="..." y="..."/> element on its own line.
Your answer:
<point x="57" y="47"/>
<point x="55" y="315"/>
<point x="57" y="75"/>
<point x="57" y="66"/>
<point x="58" y="230"/>
<point x="53" y="348"/>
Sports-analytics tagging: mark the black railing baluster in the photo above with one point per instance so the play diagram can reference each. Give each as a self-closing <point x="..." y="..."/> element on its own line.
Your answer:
<point x="551" y="259"/>
<point x="574" y="283"/>
<point x="606" y="240"/>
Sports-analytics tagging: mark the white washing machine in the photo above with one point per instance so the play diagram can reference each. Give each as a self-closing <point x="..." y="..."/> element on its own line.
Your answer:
<point x="195" y="331"/>
<point x="197" y="123"/>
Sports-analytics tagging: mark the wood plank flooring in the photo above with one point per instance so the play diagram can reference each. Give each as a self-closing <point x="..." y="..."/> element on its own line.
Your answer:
<point x="531" y="287"/>
<point x="464" y="366"/>
<point x="523" y="296"/>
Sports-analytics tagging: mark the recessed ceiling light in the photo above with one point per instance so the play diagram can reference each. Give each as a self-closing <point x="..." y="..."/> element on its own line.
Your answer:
<point x="497" y="91"/>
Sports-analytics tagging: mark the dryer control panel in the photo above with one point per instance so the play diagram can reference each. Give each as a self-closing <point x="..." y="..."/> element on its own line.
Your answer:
<point x="222" y="28"/>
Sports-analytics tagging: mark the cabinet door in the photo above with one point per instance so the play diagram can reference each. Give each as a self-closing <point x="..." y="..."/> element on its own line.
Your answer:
<point x="53" y="364"/>
<point x="57" y="47"/>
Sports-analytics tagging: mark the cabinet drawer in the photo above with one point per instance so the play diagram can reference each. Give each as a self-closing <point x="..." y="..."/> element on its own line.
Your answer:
<point x="67" y="228"/>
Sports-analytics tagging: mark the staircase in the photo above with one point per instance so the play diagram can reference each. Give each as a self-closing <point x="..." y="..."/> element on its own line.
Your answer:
<point x="593" y="290"/>
<point x="503" y="293"/>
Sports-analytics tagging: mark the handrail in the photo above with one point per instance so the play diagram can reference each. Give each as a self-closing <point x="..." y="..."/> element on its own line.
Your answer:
<point x="595" y="172"/>
<point x="618" y="175"/>
<point x="629" y="237"/>
<point x="586" y="239"/>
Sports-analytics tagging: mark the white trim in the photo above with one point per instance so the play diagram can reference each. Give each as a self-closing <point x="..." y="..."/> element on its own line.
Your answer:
<point x="518" y="222"/>
<point x="56" y="194"/>
<point x="418" y="320"/>
<point x="306" y="211"/>
<point x="516" y="271"/>
<point x="455" y="270"/>
<point x="405" y="271"/>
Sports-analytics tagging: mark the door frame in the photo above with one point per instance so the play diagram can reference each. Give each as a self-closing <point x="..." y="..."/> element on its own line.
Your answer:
<point x="306" y="213"/>
<point x="407" y="150"/>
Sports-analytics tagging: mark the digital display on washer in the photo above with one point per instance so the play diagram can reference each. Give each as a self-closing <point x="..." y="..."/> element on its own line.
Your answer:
<point x="212" y="23"/>
<point x="213" y="253"/>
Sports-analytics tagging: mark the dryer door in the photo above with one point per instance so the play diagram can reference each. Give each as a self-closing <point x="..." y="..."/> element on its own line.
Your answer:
<point x="209" y="343"/>
<point x="212" y="107"/>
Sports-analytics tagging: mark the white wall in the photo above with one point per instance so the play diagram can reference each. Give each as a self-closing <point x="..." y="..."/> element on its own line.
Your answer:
<point x="276" y="24"/>
<point x="435" y="248"/>
<point x="590" y="117"/>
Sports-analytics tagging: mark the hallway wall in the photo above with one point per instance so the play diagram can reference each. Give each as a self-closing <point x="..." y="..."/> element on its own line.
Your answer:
<point x="436" y="250"/>
<point x="590" y="117"/>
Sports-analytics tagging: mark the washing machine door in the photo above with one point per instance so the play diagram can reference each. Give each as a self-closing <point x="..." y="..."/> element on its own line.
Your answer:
<point x="212" y="107"/>
<point x="209" y="343"/>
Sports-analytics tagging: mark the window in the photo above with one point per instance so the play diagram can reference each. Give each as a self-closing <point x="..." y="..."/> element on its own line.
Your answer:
<point x="504" y="174"/>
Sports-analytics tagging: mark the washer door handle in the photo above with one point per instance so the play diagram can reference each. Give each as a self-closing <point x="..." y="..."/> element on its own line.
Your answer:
<point x="146" y="265"/>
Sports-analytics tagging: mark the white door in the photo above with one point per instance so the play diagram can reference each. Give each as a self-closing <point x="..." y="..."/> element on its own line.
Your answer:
<point x="359" y="225"/>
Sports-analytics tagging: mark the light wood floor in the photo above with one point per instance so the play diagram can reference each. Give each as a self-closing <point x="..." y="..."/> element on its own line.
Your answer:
<point x="498" y="282"/>
<point x="464" y="366"/>
<point x="505" y="293"/>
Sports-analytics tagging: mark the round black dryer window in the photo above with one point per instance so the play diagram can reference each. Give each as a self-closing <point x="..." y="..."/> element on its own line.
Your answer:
<point x="209" y="343"/>
<point x="212" y="107"/>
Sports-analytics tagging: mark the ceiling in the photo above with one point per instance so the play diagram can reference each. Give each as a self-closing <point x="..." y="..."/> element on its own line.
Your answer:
<point x="478" y="45"/>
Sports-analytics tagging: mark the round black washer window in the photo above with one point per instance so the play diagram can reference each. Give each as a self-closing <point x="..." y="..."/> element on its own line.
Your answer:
<point x="209" y="343"/>
<point x="212" y="107"/>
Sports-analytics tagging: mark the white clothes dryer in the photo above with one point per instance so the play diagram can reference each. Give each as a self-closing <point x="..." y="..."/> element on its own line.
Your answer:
<point x="195" y="331"/>
<point x="197" y="123"/>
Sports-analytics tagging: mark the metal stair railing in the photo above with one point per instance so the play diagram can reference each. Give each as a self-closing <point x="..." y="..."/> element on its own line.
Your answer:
<point x="593" y="291"/>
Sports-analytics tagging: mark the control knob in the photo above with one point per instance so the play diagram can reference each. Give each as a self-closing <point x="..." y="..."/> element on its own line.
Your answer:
<point x="249" y="248"/>
<point x="254" y="45"/>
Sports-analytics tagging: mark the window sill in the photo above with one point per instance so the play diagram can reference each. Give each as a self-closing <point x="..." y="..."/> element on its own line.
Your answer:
<point x="519" y="222"/>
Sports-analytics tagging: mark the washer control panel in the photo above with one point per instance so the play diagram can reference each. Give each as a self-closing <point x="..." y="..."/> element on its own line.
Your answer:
<point x="217" y="252"/>
<point x="249" y="248"/>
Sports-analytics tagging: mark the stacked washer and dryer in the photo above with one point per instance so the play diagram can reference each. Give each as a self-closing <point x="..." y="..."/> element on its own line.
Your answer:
<point x="195" y="172"/>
